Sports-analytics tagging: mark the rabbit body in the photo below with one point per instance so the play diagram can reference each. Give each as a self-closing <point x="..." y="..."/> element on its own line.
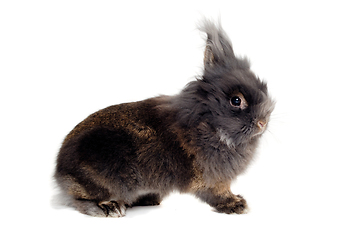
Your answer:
<point x="195" y="142"/>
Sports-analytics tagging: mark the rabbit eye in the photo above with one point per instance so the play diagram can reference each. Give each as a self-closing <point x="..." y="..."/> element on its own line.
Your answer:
<point x="235" y="101"/>
<point x="239" y="101"/>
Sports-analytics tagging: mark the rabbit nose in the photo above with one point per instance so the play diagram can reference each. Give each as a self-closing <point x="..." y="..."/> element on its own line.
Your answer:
<point x="261" y="124"/>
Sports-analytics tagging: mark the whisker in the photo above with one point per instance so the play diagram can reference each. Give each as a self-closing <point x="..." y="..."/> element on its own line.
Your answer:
<point x="273" y="135"/>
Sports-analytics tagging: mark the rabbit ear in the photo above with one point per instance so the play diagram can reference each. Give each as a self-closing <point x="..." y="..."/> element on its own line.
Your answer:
<point x="218" y="51"/>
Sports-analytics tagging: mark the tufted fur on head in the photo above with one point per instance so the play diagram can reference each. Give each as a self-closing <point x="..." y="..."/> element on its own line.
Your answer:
<point x="197" y="141"/>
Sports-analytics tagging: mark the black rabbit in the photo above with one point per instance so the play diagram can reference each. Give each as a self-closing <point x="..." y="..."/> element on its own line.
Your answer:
<point x="195" y="142"/>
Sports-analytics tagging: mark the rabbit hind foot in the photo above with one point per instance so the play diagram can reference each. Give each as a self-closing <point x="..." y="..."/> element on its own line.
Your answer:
<point x="113" y="209"/>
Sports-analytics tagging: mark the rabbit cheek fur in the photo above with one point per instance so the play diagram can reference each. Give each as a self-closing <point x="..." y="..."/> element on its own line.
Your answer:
<point x="197" y="141"/>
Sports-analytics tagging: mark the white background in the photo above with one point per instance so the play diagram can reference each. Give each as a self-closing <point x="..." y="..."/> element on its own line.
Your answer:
<point x="62" y="60"/>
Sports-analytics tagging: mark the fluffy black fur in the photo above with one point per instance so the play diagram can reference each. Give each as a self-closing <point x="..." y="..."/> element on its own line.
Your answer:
<point x="197" y="141"/>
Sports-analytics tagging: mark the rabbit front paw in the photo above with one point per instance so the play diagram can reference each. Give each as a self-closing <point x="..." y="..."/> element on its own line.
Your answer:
<point x="236" y="205"/>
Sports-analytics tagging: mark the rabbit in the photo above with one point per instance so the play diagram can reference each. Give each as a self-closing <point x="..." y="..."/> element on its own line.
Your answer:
<point x="197" y="142"/>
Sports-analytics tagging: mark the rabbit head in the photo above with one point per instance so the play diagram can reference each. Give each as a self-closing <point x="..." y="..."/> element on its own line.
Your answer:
<point x="228" y="97"/>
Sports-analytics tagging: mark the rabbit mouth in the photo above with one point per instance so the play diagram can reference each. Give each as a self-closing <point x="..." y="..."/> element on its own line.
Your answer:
<point x="255" y="130"/>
